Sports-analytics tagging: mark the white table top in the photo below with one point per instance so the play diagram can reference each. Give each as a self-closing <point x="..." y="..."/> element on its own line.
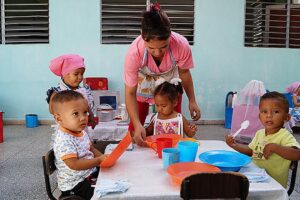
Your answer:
<point x="108" y="131"/>
<point x="143" y="169"/>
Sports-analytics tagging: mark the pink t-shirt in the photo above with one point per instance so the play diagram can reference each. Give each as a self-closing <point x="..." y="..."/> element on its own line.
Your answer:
<point x="180" y="49"/>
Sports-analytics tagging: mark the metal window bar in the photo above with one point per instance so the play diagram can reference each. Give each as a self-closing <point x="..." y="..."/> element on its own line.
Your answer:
<point x="272" y="24"/>
<point x="121" y="19"/>
<point x="25" y="23"/>
<point x="2" y="22"/>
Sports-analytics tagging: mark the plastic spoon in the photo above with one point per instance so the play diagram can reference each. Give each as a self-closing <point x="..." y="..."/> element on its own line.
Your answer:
<point x="244" y="125"/>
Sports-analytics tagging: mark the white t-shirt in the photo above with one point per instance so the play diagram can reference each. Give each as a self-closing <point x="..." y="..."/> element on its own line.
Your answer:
<point x="69" y="145"/>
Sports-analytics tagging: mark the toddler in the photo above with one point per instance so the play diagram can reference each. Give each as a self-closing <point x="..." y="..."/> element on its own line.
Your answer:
<point x="273" y="147"/>
<point x="167" y="120"/>
<point x="71" y="68"/>
<point x="75" y="157"/>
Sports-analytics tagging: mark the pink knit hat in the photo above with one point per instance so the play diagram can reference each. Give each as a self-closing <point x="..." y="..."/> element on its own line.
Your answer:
<point x="292" y="88"/>
<point x="64" y="64"/>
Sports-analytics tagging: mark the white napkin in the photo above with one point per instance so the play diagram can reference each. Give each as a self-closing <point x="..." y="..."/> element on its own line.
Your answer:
<point x="254" y="174"/>
<point x="111" y="186"/>
<point x="109" y="148"/>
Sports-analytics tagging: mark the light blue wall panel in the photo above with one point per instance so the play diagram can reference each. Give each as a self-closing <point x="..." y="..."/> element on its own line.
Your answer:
<point x="222" y="63"/>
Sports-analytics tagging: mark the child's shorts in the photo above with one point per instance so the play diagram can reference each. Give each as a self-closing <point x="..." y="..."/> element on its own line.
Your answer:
<point x="84" y="189"/>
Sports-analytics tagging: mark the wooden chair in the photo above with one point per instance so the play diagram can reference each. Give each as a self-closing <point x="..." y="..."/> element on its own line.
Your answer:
<point x="293" y="167"/>
<point x="215" y="185"/>
<point x="49" y="167"/>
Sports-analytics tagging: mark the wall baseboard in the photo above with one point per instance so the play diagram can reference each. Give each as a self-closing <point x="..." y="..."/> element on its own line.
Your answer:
<point x="50" y="122"/>
<point x="209" y="122"/>
<point x="22" y="122"/>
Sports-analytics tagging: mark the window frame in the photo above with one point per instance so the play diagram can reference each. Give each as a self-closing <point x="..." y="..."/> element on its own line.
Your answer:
<point x="24" y="22"/>
<point x="264" y="27"/>
<point x="132" y="24"/>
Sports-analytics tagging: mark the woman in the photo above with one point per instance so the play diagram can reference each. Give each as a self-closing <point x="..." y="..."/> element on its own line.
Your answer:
<point x="156" y="53"/>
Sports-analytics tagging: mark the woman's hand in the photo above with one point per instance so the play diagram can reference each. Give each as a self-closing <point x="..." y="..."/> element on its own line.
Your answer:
<point x="139" y="135"/>
<point x="194" y="111"/>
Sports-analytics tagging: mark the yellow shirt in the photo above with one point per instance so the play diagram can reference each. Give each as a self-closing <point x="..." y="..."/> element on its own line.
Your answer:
<point x="276" y="166"/>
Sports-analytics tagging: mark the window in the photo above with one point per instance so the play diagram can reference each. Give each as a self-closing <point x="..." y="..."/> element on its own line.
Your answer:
<point x="121" y="19"/>
<point x="24" y="21"/>
<point x="272" y="23"/>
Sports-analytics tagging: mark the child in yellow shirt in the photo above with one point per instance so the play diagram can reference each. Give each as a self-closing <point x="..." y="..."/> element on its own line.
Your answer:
<point x="273" y="148"/>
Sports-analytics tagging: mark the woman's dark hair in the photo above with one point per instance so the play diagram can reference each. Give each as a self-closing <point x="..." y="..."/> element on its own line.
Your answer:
<point x="278" y="97"/>
<point x="155" y="24"/>
<point x="168" y="89"/>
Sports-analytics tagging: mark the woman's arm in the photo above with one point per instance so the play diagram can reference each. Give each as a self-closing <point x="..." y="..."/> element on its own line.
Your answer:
<point x="187" y="83"/>
<point x="132" y="108"/>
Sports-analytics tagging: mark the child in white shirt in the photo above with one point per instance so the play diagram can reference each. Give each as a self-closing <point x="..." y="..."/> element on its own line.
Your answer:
<point x="75" y="157"/>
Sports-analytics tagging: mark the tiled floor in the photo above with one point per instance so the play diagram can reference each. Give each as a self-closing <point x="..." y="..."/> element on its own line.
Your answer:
<point x="21" y="174"/>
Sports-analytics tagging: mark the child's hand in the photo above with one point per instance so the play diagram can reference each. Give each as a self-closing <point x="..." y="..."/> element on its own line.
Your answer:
<point x="92" y="122"/>
<point x="192" y="130"/>
<point x="102" y="157"/>
<point x="268" y="150"/>
<point x="230" y="141"/>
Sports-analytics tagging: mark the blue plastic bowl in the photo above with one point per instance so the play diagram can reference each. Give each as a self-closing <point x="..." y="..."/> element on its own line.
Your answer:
<point x="225" y="160"/>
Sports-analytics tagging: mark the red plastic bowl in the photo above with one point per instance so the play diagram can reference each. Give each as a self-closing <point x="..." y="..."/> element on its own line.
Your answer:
<point x="117" y="152"/>
<point x="179" y="171"/>
<point x="150" y="140"/>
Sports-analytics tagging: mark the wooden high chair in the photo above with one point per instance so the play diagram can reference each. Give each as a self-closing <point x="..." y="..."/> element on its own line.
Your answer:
<point x="49" y="168"/>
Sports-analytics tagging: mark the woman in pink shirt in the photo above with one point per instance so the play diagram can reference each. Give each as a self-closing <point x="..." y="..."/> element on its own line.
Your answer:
<point x="156" y="53"/>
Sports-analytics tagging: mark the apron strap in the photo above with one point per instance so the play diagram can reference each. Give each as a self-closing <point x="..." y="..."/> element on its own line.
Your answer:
<point x="180" y="125"/>
<point x="145" y="57"/>
<point x="154" y="119"/>
<point x="172" y="57"/>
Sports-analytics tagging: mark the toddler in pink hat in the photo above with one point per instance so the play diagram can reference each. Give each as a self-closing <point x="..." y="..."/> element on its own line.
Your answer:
<point x="64" y="64"/>
<point x="71" y="68"/>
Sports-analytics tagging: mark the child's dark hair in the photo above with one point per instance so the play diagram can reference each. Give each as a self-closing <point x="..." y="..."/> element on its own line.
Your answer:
<point x="155" y="24"/>
<point x="168" y="89"/>
<point x="65" y="96"/>
<point x="278" y="97"/>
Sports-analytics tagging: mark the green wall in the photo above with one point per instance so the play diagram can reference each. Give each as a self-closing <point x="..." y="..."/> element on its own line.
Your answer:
<point x="222" y="63"/>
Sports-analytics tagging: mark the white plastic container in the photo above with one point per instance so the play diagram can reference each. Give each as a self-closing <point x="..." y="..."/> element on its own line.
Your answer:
<point x="105" y="113"/>
<point x="123" y="112"/>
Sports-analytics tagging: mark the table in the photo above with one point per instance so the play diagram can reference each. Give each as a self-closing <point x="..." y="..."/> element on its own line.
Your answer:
<point x="108" y="131"/>
<point x="143" y="169"/>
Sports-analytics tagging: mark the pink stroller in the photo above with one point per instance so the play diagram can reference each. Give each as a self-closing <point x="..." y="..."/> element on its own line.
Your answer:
<point x="246" y="108"/>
